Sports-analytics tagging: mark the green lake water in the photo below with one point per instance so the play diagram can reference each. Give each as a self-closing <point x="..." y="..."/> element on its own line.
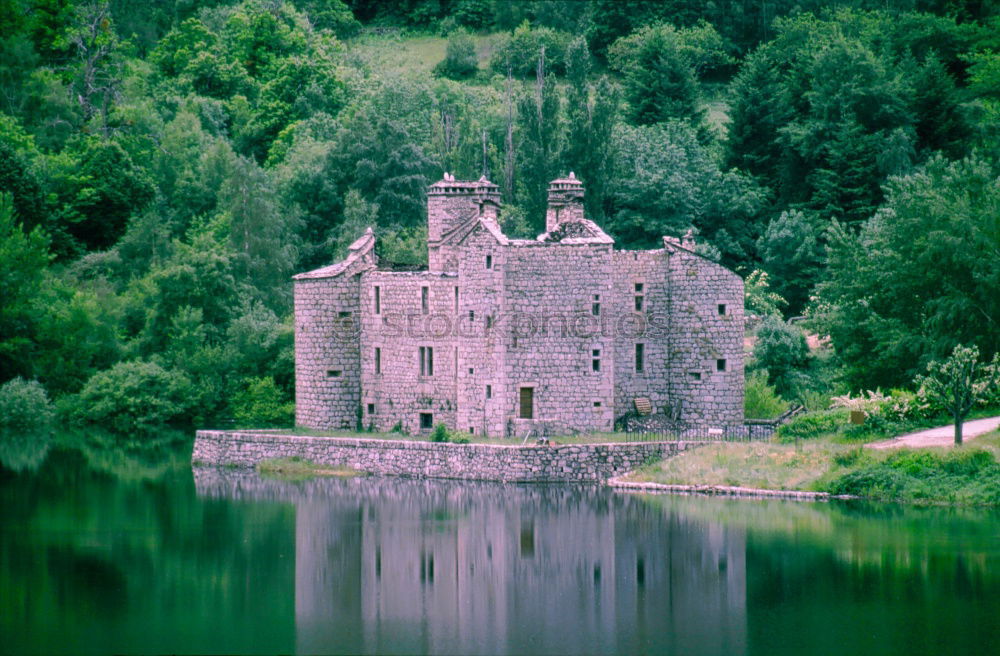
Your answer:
<point x="122" y="548"/>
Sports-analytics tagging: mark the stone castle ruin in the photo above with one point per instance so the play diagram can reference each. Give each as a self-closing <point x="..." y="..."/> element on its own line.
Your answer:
<point x="502" y="337"/>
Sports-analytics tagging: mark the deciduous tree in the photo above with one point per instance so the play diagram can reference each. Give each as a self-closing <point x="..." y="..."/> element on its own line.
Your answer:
<point x="956" y="383"/>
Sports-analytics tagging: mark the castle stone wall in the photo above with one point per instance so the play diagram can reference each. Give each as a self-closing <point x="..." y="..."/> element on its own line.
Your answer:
<point x="399" y="394"/>
<point x="327" y="362"/>
<point x="549" y="291"/>
<point x="700" y="337"/>
<point x="482" y="340"/>
<point x="647" y="326"/>
<point x="483" y="462"/>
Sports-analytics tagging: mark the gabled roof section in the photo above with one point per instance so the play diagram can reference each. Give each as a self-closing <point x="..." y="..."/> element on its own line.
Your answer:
<point x="455" y="235"/>
<point x="576" y="231"/>
<point x="686" y="246"/>
<point x="360" y="253"/>
<point x="462" y="232"/>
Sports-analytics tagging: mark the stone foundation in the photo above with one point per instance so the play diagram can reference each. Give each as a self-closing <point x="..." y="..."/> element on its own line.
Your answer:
<point x="481" y="462"/>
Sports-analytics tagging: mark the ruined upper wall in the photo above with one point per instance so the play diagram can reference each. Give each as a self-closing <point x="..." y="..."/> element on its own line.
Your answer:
<point x="451" y="205"/>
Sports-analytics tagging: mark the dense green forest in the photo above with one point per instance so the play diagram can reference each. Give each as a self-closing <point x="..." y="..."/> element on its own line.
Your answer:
<point x="166" y="165"/>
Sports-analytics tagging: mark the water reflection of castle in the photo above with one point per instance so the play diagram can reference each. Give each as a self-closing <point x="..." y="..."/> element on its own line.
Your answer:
<point x="388" y="566"/>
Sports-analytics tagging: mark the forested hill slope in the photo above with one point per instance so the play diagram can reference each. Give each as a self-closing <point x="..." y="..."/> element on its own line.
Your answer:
<point x="167" y="165"/>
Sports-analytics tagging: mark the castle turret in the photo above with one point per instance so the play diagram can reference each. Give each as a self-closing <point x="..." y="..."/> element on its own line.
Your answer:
<point x="452" y="203"/>
<point x="565" y="201"/>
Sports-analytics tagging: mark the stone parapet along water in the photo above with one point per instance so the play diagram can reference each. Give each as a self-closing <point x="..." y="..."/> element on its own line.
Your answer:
<point x="416" y="459"/>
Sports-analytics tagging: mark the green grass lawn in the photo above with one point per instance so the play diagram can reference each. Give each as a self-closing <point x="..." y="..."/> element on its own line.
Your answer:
<point x="297" y="469"/>
<point x="397" y="53"/>
<point x="969" y="475"/>
<point x="748" y="464"/>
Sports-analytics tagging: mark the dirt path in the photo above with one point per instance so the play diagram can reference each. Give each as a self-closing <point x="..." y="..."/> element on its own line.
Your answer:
<point x="941" y="436"/>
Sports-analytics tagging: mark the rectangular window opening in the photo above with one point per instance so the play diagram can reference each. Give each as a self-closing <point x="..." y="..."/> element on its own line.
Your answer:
<point x="595" y="363"/>
<point x="456" y="299"/>
<point x="639" y="296"/>
<point x="426" y="354"/>
<point x="471" y="371"/>
<point x="472" y="430"/>
<point x="344" y="315"/>
<point x="489" y="321"/>
<point x="425" y="301"/>
<point x="722" y="309"/>
<point x="694" y="375"/>
<point x="426" y="420"/>
<point x="334" y="373"/>
<point x="595" y="308"/>
<point x="489" y="261"/>
<point x="640" y="357"/>
<point x="526" y="407"/>
<point x="489" y="391"/>
<point x="472" y="315"/>
<point x="597" y="404"/>
<point x="720" y="364"/>
<point x="371" y="408"/>
<point x="378" y="360"/>
<point x="378" y="300"/>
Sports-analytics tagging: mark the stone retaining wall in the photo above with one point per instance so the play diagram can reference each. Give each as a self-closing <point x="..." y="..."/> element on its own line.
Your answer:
<point x="483" y="462"/>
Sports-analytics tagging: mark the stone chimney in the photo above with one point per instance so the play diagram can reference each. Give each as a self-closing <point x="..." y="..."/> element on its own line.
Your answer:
<point x="565" y="201"/>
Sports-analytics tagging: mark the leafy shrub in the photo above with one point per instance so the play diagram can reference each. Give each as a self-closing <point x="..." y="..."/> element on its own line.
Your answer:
<point x="782" y="351"/>
<point x="968" y="463"/>
<point x="815" y="401"/>
<point x="333" y="15"/>
<point x="760" y="400"/>
<point x="135" y="395"/>
<point x="922" y="476"/>
<point x="899" y="405"/>
<point x="914" y="463"/>
<point x="440" y="433"/>
<point x="474" y="14"/>
<point x="460" y="60"/>
<point x="876" y="481"/>
<point x="24" y="405"/>
<point x="850" y="458"/>
<point x="522" y="49"/>
<point x="812" y="424"/>
<point x="260" y="403"/>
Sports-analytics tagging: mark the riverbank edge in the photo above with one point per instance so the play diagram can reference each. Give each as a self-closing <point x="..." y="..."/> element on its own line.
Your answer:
<point x="514" y="463"/>
<point x="724" y="490"/>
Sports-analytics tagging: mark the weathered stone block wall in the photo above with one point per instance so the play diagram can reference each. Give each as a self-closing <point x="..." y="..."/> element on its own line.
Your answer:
<point x="700" y="336"/>
<point x="485" y="462"/>
<point x="451" y="203"/>
<point x="481" y="342"/>
<point x="327" y="363"/>
<point x="549" y="291"/>
<point x="399" y="394"/>
<point x="648" y="327"/>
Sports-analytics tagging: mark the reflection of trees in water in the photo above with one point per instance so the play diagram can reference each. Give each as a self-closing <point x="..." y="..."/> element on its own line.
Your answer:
<point x="860" y="533"/>
<point x="23" y="450"/>
<point x="862" y="577"/>
<point x="138" y="563"/>
<point x="126" y="457"/>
